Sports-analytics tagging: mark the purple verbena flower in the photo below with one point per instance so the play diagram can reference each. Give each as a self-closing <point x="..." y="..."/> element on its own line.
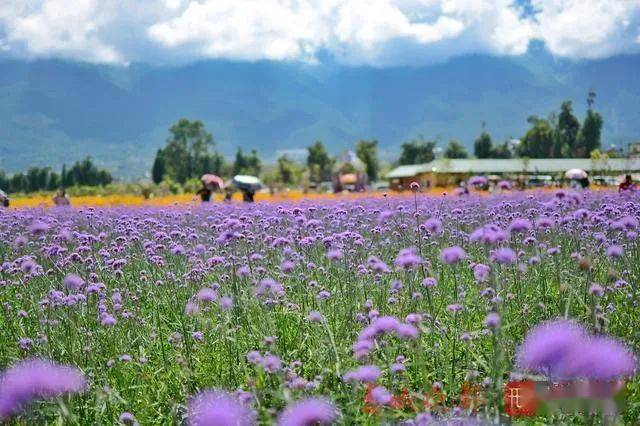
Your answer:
<point x="315" y="316"/>
<point x="492" y="320"/>
<point x="128" y="419"/>
<point x="36" y="379"/>
<point x="73" y="282"/>
<point x="307" y="412"/>
<point x="505" y="256"/>
<point x="215" y="407"/>
<point x="334" y="254"/>
<point x="433" y="225"/>
<point x="407" y="258"/>
<point x="548" y="345"/>
<point x="363" y="374"/>
<point x="207" y="294"/>
<point x="481" y="272"/>
<point x="614" y="251"/>
<point x="452" y="255"/>
<point x="598" y="358"/>
<point x="271" y="363"/>
<point x="381" y="396"/>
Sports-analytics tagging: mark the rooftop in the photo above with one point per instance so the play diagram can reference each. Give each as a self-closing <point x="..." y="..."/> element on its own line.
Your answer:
<point x="409" y="170"/>
<point x="515" y="165"/>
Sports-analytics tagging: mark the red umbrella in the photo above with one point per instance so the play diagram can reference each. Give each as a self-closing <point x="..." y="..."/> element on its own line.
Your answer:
<point x="212" y="182"/>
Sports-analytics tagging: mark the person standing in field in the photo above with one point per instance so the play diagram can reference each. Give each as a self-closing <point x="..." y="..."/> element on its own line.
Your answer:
<point x="228" y="193"/>
<point x="204" y="193"/>
<point x="248" y="195"/>
<point x="61" y="199"/>
<point x="584" y="183"/>
<point x="4" y="199"/>
<point x="627" y="185"/>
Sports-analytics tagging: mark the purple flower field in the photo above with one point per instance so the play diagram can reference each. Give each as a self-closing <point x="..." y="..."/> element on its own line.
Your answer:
<point x="316" y="313"/>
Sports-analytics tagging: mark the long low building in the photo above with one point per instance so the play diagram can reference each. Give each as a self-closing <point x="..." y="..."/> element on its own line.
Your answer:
<point x="447" y="172"/>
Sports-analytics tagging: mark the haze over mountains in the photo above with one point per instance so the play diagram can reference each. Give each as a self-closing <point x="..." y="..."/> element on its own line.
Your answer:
<point x="52" y="112"/>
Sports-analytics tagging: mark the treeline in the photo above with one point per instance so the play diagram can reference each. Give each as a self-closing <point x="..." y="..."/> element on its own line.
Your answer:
<point x="81" y="173"/>
<point x="189" y="152"/>
<point x="560" y="135"/>
<point x="186" y="154"/>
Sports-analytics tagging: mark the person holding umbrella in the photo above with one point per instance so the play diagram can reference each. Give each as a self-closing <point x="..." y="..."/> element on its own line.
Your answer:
<point x="210" y="183"/>
<point x="204" y="193"/>
<point x="578" y="178"/>
<point x="4" y="199"/>
<point x="228" y="193"/>
<point x="248" y="185"/>
<point x="248" y="194"/>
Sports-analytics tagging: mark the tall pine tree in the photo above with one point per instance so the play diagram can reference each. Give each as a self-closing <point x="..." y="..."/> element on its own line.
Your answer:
<point x="482" y="146"/>
<point x="158" y="170"/>
<point x="589" y="138"/>
<point x="567" y="131"/>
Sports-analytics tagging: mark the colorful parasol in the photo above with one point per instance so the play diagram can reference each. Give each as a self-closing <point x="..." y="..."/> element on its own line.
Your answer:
<point x="212" y="182"/>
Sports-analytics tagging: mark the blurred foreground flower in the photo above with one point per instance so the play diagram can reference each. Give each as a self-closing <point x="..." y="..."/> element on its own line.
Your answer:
<point x="218" y="408"/>
<point x="312" y="411"/>
<point x="563" y="350"/>
<point x="36" y="379"/>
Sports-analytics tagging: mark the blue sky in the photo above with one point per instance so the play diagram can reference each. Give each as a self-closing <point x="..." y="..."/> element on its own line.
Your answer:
<point x="352" y="32"/>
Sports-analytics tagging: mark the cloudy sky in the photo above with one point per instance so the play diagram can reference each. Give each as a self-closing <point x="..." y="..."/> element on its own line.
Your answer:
<point x="353" y="32"/>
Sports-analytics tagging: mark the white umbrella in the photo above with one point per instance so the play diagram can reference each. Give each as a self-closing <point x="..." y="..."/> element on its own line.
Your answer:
<point x="247" y="181"/>
<point x="576" y="174"/>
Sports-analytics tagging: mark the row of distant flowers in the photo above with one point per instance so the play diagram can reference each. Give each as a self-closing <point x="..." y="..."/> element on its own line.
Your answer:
<point x="138" y="200"/>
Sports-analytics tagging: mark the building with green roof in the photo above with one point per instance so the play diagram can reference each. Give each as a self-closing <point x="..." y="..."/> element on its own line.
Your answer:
<point x="448" y="172"/>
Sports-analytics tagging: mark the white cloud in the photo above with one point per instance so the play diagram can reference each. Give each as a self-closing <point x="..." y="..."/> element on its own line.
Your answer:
<point x="355" y="31"/>
<point x="377" y="32"/>
<point x="588" y="29"/>
<point x="254" y="29"/>
<point x="53" y="28"/>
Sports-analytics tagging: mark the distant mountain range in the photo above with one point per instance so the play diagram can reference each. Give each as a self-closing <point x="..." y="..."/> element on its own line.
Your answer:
<point x="52" y="112"/>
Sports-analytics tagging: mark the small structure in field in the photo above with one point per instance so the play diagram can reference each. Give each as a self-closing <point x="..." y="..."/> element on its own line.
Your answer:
<point x="349" y="173"/>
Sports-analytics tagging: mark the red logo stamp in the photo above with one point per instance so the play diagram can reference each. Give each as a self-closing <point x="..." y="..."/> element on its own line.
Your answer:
<point x="520" y="399"/>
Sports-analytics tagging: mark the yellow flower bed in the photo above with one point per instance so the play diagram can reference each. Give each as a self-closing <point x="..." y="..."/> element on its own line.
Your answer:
<point x="293" y="195"/>
<point x="138" y="200"/>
